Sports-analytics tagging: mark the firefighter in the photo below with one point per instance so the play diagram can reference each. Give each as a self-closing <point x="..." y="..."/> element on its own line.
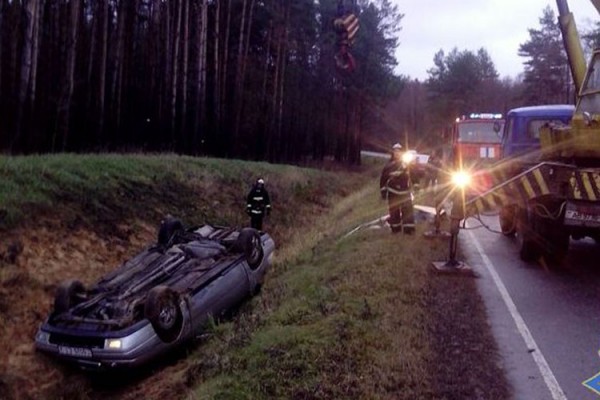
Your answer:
<point x="396" y="187"/>
<point x="258" y="204"/>
<point x="434" y="166"/>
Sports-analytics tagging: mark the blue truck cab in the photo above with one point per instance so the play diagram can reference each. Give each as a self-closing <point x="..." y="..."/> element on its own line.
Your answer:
<point x="521" y="136"/>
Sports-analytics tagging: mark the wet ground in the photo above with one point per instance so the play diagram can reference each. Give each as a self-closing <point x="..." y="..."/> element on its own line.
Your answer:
<point x="546" y="322"/>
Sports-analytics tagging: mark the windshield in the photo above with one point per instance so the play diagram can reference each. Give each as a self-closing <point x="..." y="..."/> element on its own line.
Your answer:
<point x="590" y="93"/>
<point x="479" y="132"/>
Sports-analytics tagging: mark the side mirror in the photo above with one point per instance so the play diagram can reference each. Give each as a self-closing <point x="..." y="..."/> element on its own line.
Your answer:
<point x="497" y="127"/>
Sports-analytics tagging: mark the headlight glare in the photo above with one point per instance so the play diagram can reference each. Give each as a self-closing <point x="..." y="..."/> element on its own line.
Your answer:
<point x="407" y="157"/>
<point x="461" y="179"/>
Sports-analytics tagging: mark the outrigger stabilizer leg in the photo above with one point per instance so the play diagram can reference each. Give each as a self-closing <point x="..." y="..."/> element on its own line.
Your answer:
<point x="453" y="265"/>
<point x="437" y="231"/>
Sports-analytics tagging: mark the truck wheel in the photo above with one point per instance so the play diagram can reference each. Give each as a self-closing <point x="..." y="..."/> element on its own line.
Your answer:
<point x="168" y="228"/>
<point x="560" y="248"/>
<point x="69" y="294"/>
<point x="555" y="243"/>
<point x="508" y="221"/>
<point x="164" y="313"/>
<point x="553" y="238"/>
<point x="248" y="242"/>
<point x="528" y="248"/>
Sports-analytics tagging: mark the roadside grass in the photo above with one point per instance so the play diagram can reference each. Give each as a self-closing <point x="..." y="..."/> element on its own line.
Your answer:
<point x="347" y="322"/>
<point x="103" y="191"/>
<point x="358" y="317"/>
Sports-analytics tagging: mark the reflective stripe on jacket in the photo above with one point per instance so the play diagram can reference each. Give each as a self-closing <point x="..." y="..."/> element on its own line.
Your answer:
<point x="258" y="201"/>
<point x="395" y="178"/>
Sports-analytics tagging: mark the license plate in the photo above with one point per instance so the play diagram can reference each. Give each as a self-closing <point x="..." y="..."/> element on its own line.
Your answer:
<point x="74" y="351"/>
<point x="582" y="215"/>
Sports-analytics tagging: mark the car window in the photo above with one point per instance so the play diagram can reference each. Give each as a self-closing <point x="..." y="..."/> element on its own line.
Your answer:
<point x="533" y="127"/>
<point x="478" y="132"/>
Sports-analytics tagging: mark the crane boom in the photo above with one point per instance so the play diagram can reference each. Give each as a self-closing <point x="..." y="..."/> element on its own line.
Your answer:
<point x="572" y="42"/>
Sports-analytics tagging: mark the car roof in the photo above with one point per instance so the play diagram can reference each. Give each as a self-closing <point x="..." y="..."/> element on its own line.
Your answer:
<point x="544" y="110"/>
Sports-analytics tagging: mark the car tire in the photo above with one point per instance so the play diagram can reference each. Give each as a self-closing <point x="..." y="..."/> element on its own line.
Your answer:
<point x="168" y="228"/>
<point x="163" y="311"/>
<point x="68" y="294"/>
<point x="248" y="242"/>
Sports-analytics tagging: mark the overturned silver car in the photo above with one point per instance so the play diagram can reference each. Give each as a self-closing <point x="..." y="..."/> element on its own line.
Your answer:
<point x="158" y="299"/>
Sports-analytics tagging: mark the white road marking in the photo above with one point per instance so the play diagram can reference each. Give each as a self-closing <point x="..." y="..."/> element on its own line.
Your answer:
<point x="538" y="357"/>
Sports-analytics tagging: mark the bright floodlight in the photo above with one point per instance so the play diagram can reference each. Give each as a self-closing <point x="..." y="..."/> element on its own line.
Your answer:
<point x="408" y="157"/>
<point x="461" y="179"/>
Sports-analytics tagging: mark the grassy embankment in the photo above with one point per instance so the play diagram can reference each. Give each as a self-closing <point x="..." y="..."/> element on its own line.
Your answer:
<point x="356" y="317"/>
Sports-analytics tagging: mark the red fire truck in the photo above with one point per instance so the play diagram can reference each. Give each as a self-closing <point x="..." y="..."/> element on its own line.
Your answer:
<point x="476" y="144"/>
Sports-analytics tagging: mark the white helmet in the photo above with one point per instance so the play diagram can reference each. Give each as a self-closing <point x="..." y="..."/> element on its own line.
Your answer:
<point x="260" y="181"/>
<point x="397" y="147"/>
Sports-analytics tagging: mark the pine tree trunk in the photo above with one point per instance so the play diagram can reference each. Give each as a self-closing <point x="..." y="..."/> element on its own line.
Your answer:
<point x="184" y="74"/>
<point x="264" y="137"/>
<point x="37" y="34"/>
<point x="156" y="77"/>
<point x="224" y="72"/>
<point x="201" y="43"/>
<point x="175" y="69"/>
<point x="30" y="12"/>
<point x="91" y="63"/>
<point x="167" y="75"/>
<point x="282" y="78"/>
<point x="238" y="81"/>
<point x="1" y="41"/>
<point x="64" y="112"/>
<point x="244" y="62"/>
<point x="102" y="72"/>
<point x="217" y="72"/>
<point x="117" y="72"/>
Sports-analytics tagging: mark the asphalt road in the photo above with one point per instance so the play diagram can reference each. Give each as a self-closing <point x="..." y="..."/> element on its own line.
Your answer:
<point x="547" y="323"/>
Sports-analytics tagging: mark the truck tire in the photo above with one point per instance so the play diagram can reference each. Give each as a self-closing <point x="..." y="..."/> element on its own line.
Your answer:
<point x="164" y="313"/>
<point x="69" y="294"/>
<point x="508" y="220"/>
<point x="552" y="237"/>
<point x="528" y="247"/>
<point x="560" y="248"/>
<point x="554" y="241"/>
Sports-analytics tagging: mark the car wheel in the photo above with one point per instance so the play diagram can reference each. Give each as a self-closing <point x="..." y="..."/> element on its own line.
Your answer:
<point x="248" y="243"/>
<point x="164" y="313"/>
<point x="168" y="228"/>
<point x="68" y="294"/>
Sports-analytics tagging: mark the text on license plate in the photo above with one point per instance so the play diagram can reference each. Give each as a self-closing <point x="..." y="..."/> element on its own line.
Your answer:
<point x="582" y="215"/>
<point x="74" y="351"/>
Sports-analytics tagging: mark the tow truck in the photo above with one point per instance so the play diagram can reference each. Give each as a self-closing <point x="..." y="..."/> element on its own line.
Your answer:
<point x="557" y="197"/>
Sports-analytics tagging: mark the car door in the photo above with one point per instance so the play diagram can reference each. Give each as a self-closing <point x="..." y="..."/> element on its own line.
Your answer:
<point x="220" y="295"/>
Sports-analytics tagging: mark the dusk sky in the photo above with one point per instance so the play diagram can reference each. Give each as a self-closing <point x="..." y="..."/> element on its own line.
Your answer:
<point x="497" y="25"/>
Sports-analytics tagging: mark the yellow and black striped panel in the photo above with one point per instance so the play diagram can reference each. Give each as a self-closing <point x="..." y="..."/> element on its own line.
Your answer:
<point x="585" y="185"/>
<point x="518" y="190"/>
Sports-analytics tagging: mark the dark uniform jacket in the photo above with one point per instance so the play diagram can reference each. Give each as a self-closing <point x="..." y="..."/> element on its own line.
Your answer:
<point x="258" y="201"/>
<point x="395" y="179"/>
